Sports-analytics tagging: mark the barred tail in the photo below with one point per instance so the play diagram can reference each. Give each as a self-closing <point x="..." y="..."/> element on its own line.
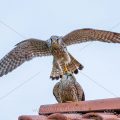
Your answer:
<point x="74" y="65"/>
<point x="56" y="71"/>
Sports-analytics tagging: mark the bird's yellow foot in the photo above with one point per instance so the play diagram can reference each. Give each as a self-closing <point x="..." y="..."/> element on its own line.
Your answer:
<point x="65" y="69"/>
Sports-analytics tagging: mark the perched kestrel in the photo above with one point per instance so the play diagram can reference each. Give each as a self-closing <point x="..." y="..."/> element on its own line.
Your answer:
<point x="63" y="61"/>
<point x="68" y="89"/>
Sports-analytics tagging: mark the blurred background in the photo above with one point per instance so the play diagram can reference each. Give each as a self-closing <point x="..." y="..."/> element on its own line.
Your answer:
<point x="27" y="87"/>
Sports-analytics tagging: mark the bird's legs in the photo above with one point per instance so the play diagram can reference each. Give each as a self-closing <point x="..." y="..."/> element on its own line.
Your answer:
<point x="65" y="70"/>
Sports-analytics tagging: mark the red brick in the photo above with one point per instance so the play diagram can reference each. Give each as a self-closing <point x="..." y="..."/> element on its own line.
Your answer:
<point x="83" y="106"/>
<point x="32" y="117"/>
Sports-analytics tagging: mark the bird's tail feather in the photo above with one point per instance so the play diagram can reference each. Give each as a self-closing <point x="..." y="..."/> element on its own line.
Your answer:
<point x="74" y="65"/>
<point x="56" y="71"/>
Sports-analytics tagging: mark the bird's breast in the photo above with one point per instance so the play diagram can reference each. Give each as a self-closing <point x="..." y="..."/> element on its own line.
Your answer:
<point x="61" y="55"/>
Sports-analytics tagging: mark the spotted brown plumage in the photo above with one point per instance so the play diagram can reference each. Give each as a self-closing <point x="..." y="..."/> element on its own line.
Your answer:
<point x="85" y="35"/>
<point x="23" y="51"/>
<point x="57" y="47"/>
<point x="68" y="89"/>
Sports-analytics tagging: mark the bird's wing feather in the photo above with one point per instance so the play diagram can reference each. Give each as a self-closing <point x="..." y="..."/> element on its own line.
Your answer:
<point x="56" y="92"/>
<point x="80" y="92"/>
<point x="84" y="35"/>
<point x="23" y="51"/>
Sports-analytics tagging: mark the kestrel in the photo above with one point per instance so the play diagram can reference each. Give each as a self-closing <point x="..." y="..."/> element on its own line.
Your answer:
<point x="56" y="46"/>
<point x="68" y="89"/>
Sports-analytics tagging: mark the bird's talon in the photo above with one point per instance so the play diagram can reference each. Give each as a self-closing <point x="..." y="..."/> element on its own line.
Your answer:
<point x="65" y="69"/>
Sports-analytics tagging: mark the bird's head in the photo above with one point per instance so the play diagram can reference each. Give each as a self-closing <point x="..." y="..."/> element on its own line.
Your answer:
<point x="55" y="41"/>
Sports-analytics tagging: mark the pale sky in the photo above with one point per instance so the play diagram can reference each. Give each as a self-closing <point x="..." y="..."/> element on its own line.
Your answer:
<point x="23" y="90"/>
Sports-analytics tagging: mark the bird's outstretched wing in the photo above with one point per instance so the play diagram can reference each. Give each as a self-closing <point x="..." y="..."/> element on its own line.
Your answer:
<point x="84" y="35"/>
<point x="23" y="51"/>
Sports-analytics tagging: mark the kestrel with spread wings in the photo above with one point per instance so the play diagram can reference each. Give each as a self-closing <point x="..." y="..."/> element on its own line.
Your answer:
<point x="56" y="46"/>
